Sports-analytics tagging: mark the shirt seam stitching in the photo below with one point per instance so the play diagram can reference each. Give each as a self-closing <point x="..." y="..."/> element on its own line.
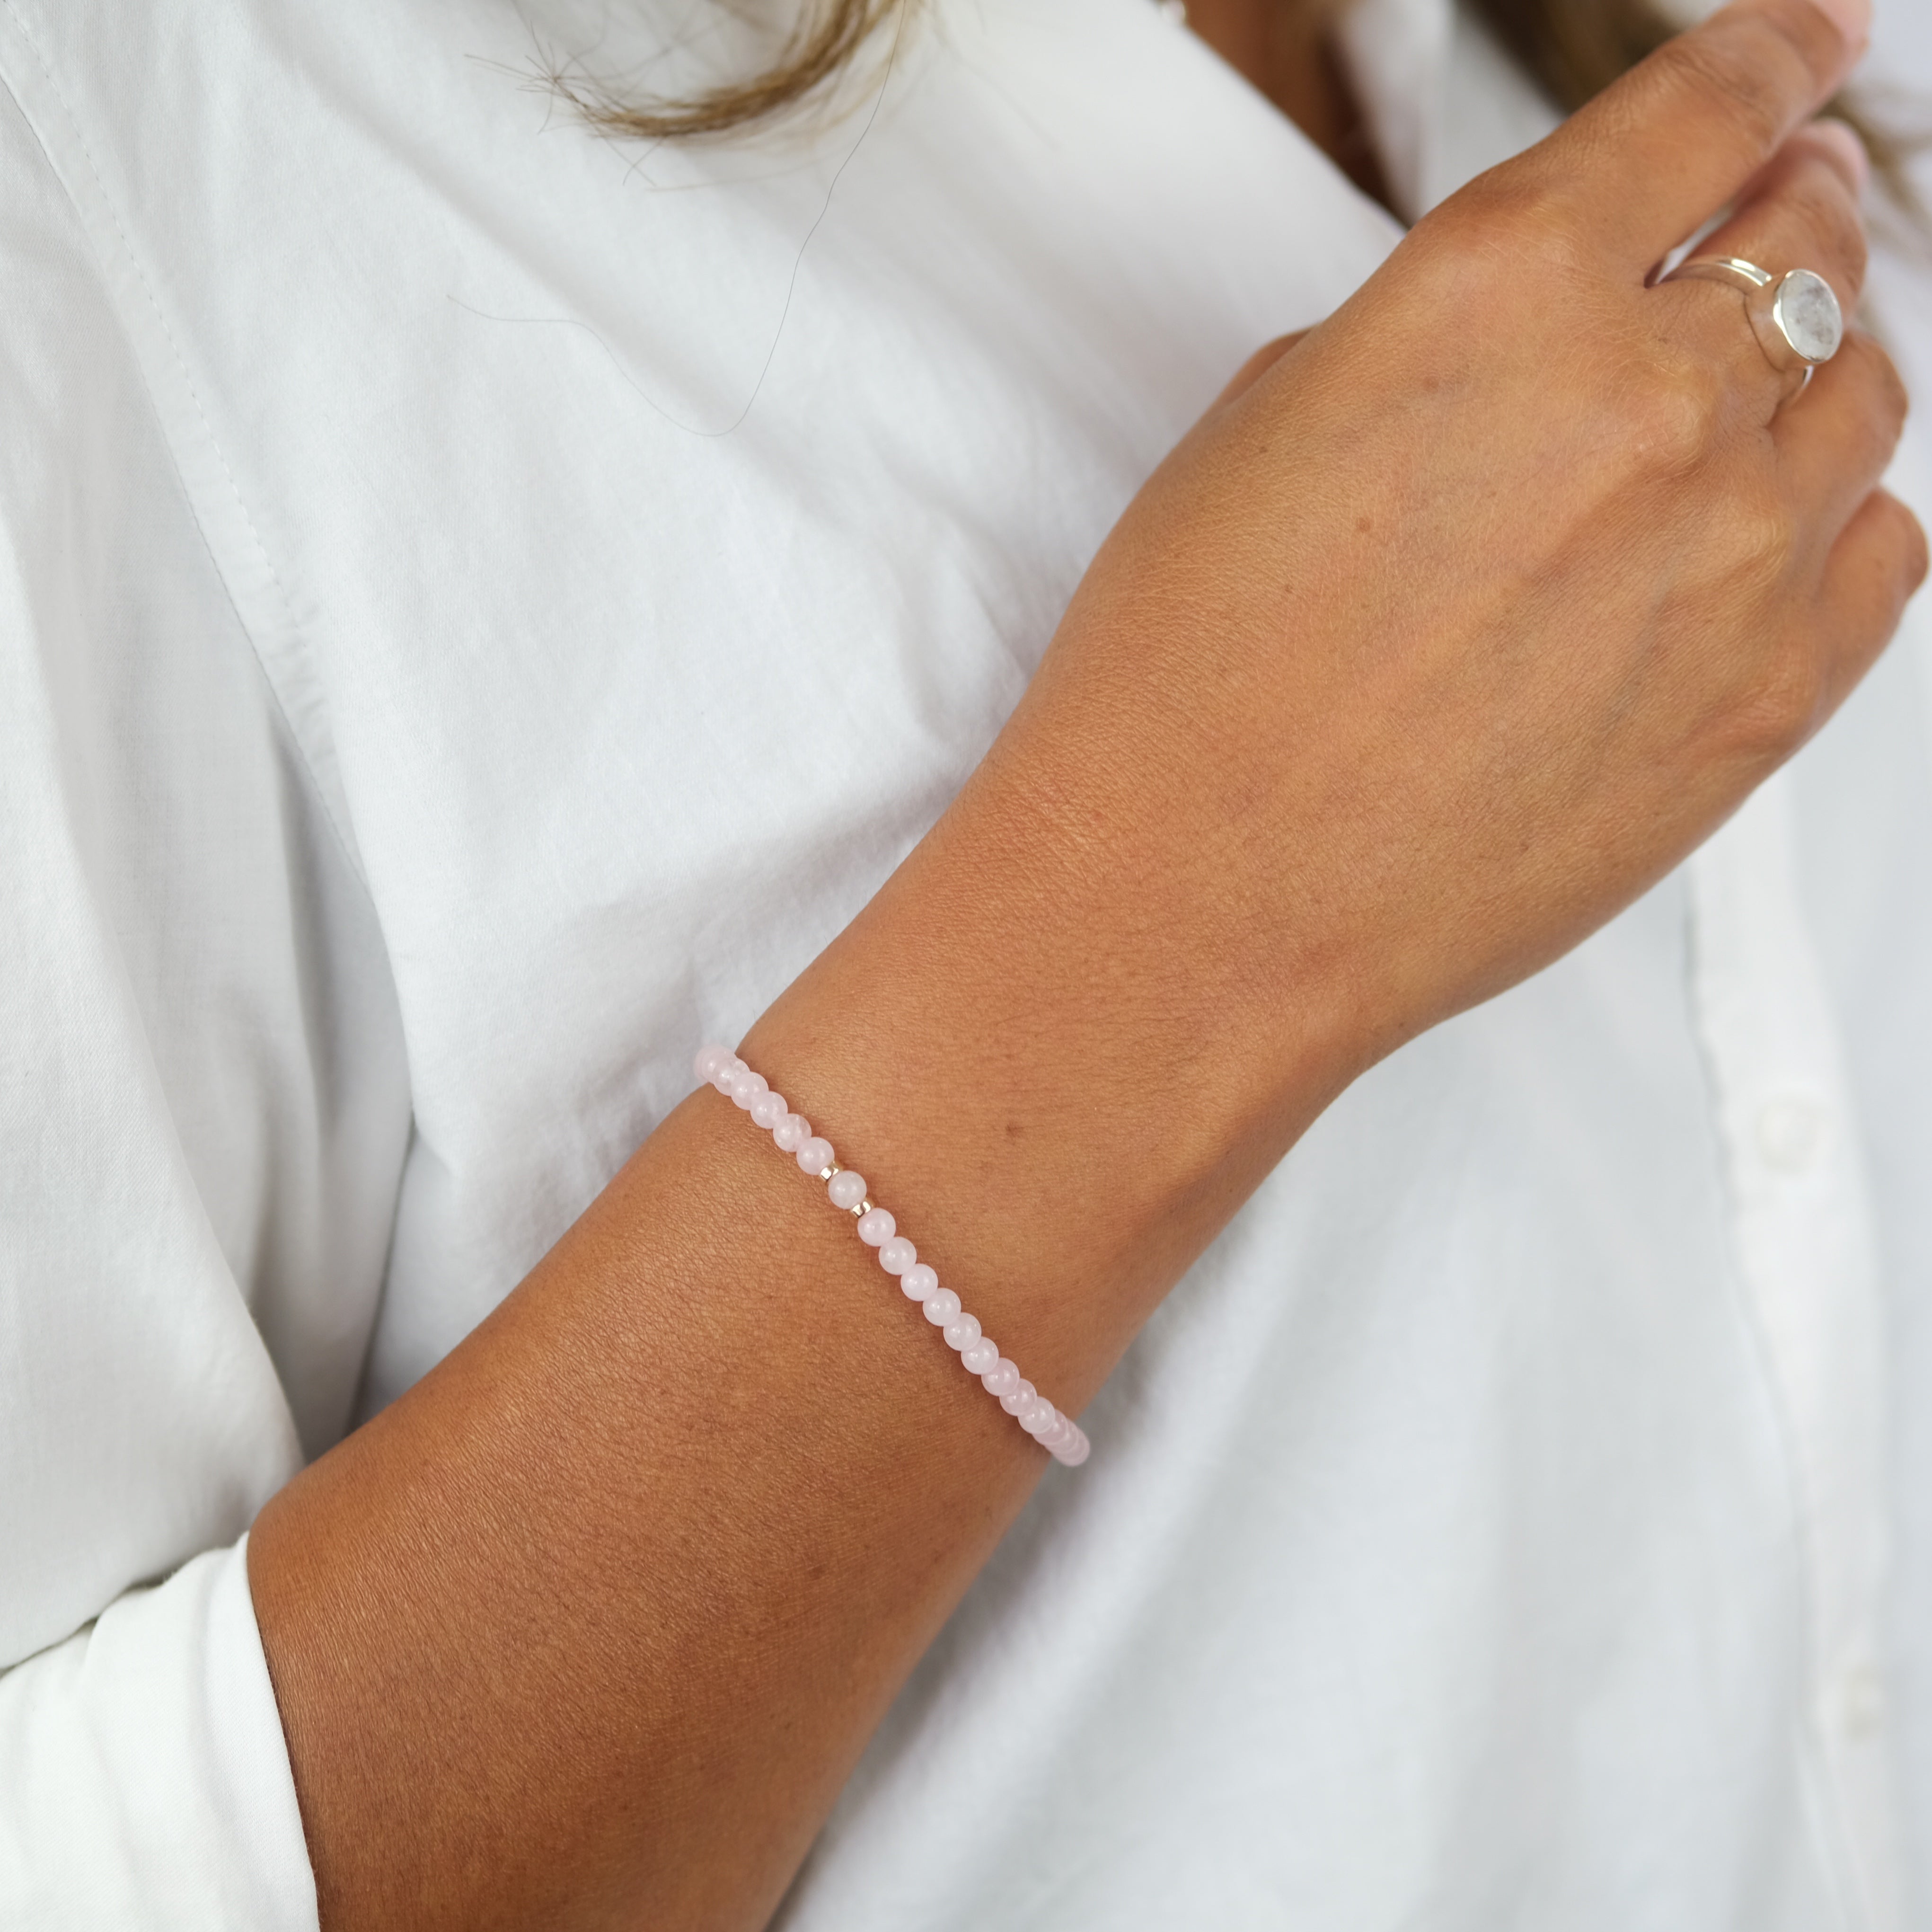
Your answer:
<point x="267" y="561"/>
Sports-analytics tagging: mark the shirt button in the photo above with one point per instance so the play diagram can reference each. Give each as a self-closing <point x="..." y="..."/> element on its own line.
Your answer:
<point x="1857" y="1700"/>
<point x="1791" y="1131"/>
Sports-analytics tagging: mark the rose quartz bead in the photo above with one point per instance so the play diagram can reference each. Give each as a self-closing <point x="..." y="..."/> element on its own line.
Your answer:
<point x="1058" y="1434"/>
<point x="1002" y="1379"/>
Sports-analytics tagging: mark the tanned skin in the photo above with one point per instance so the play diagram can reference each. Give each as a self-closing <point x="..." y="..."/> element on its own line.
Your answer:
<point x="1422" y="655"/>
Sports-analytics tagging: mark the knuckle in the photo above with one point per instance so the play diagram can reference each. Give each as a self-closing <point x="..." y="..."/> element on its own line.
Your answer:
<point x="1765" y="542"/>
<point x="1822" y="209"/>
<point x="1746" y="73"/>
<point x="1669" y="419"/>
<point x="1915" y="559"/>
<point x="1517" y="212"/>
<point x="1783" y="708"/>
<point x="1875" y="395"/>
<point x="1890" y="397"/>
<point x="1899" y="396"/>
<point x="1846" y="236"/>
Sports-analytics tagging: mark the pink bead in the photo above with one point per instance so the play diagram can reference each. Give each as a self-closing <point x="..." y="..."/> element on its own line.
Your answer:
<point x="1057" y="1434"/>
<point x="1002" y="1379"/>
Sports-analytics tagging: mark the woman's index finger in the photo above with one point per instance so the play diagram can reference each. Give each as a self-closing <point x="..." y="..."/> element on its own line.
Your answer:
<point x="1663" y="149"/>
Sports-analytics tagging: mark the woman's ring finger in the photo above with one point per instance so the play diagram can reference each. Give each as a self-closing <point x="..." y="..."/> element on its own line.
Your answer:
<point x="1796" y="316"/>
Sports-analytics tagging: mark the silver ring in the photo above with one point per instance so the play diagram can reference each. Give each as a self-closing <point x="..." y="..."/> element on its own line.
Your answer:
<point x="1795" y="317"/>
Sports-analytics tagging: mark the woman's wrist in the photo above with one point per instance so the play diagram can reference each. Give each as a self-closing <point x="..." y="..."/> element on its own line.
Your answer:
<point x="847" y="1191"/>
<point x="1047" y="1041"/>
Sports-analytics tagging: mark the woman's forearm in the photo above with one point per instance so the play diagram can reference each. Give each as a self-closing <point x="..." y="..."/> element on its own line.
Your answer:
<point x="589" y="1626"/>
<point x="1420" y="658"/>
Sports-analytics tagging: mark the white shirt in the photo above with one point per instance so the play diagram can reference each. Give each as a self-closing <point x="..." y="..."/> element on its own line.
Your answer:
<point x="480" y="607"/>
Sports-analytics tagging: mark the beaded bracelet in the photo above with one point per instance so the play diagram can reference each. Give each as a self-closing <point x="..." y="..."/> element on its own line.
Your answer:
<point x="722" y="1068"/>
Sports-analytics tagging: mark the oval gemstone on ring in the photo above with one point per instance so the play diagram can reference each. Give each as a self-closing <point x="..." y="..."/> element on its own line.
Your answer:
<point x="1807" y="316"/>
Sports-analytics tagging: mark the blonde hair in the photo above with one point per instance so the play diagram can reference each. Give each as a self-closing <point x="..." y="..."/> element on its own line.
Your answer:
<point x="1572" y="48"/>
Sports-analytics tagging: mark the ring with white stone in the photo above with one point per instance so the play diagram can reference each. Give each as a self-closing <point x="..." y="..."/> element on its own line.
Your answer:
<point x="1795" y="317"/>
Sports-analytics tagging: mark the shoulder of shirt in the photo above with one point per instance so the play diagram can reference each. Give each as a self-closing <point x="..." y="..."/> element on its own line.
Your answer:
<point x="123" y="108"/>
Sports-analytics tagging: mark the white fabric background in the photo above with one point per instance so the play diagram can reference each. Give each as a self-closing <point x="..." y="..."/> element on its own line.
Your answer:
<point x="434" y="701"/>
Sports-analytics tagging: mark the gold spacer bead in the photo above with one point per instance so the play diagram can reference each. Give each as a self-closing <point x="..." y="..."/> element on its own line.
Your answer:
<point x="864" y="1208"/>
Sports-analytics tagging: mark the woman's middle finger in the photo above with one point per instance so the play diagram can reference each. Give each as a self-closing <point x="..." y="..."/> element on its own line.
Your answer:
<point x="1833" y="448"/>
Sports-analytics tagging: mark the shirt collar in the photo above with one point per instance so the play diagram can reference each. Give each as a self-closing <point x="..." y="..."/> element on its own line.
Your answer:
<point x="1442" y="101"/>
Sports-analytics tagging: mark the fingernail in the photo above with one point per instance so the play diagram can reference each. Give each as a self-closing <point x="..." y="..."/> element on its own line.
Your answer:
<point x="1845" y="140"/>
<point x="1853" y="18"/>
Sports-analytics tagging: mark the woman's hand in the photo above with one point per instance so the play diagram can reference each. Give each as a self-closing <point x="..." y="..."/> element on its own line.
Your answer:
<point x="1454" y="625"/>
<point x="1434" y="644"/>
<point x="1462" y="621"/>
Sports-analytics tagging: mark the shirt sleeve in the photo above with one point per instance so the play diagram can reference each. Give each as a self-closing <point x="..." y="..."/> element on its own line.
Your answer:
<point x="146" y="1781"/>
<point x="204" y="1110"/>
